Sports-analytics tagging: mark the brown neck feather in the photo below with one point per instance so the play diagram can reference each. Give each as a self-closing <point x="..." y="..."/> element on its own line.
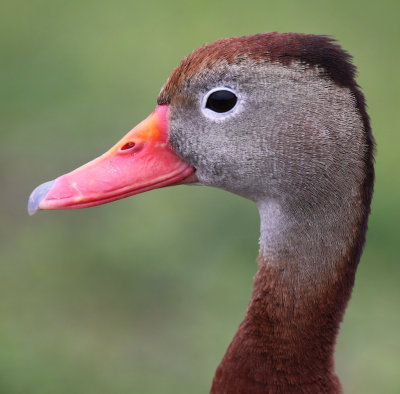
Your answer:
<point x="286" y="341"/>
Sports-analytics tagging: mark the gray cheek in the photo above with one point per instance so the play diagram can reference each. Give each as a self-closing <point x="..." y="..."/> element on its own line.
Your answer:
<point x="226" y="155"/>
<point x="196" y="145"/>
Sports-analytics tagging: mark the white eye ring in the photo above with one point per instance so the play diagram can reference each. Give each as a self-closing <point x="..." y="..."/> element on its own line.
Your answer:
<point x="209" y="113"/>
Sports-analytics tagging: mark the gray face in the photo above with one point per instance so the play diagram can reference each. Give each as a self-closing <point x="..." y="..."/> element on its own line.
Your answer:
<point x="294" y="136"/>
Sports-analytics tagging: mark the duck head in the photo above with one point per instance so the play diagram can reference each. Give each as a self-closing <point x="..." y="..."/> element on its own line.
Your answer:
<point x="269" y="117"/>
<point x="276" y="118"/>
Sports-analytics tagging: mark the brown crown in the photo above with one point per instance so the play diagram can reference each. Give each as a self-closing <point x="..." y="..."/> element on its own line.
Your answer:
<point x="284" y="48"/>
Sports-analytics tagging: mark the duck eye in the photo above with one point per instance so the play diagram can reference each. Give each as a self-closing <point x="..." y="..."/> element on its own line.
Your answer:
<point x="221" y="100"/>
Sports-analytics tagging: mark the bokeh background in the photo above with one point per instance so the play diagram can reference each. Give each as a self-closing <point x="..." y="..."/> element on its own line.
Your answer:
<point x="144" y="295"/>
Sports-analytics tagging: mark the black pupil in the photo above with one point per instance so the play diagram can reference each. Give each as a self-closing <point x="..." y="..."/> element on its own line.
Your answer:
<point x="221" y="101"/>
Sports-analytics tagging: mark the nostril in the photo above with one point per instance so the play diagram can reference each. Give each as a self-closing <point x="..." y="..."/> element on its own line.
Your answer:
<point x="128" y="145"/>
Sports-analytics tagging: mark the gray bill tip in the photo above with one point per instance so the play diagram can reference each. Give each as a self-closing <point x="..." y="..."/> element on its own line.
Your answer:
<point x="37" y="196"/>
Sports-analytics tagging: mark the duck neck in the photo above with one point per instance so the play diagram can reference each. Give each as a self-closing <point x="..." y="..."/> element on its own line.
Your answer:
<point x="304" y="280"/>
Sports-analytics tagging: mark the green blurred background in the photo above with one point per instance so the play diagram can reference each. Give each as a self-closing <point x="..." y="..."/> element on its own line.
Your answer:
<point x="144" y="295"/>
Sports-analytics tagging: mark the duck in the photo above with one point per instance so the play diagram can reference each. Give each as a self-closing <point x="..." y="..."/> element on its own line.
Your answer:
<point x="277" y="118"/>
